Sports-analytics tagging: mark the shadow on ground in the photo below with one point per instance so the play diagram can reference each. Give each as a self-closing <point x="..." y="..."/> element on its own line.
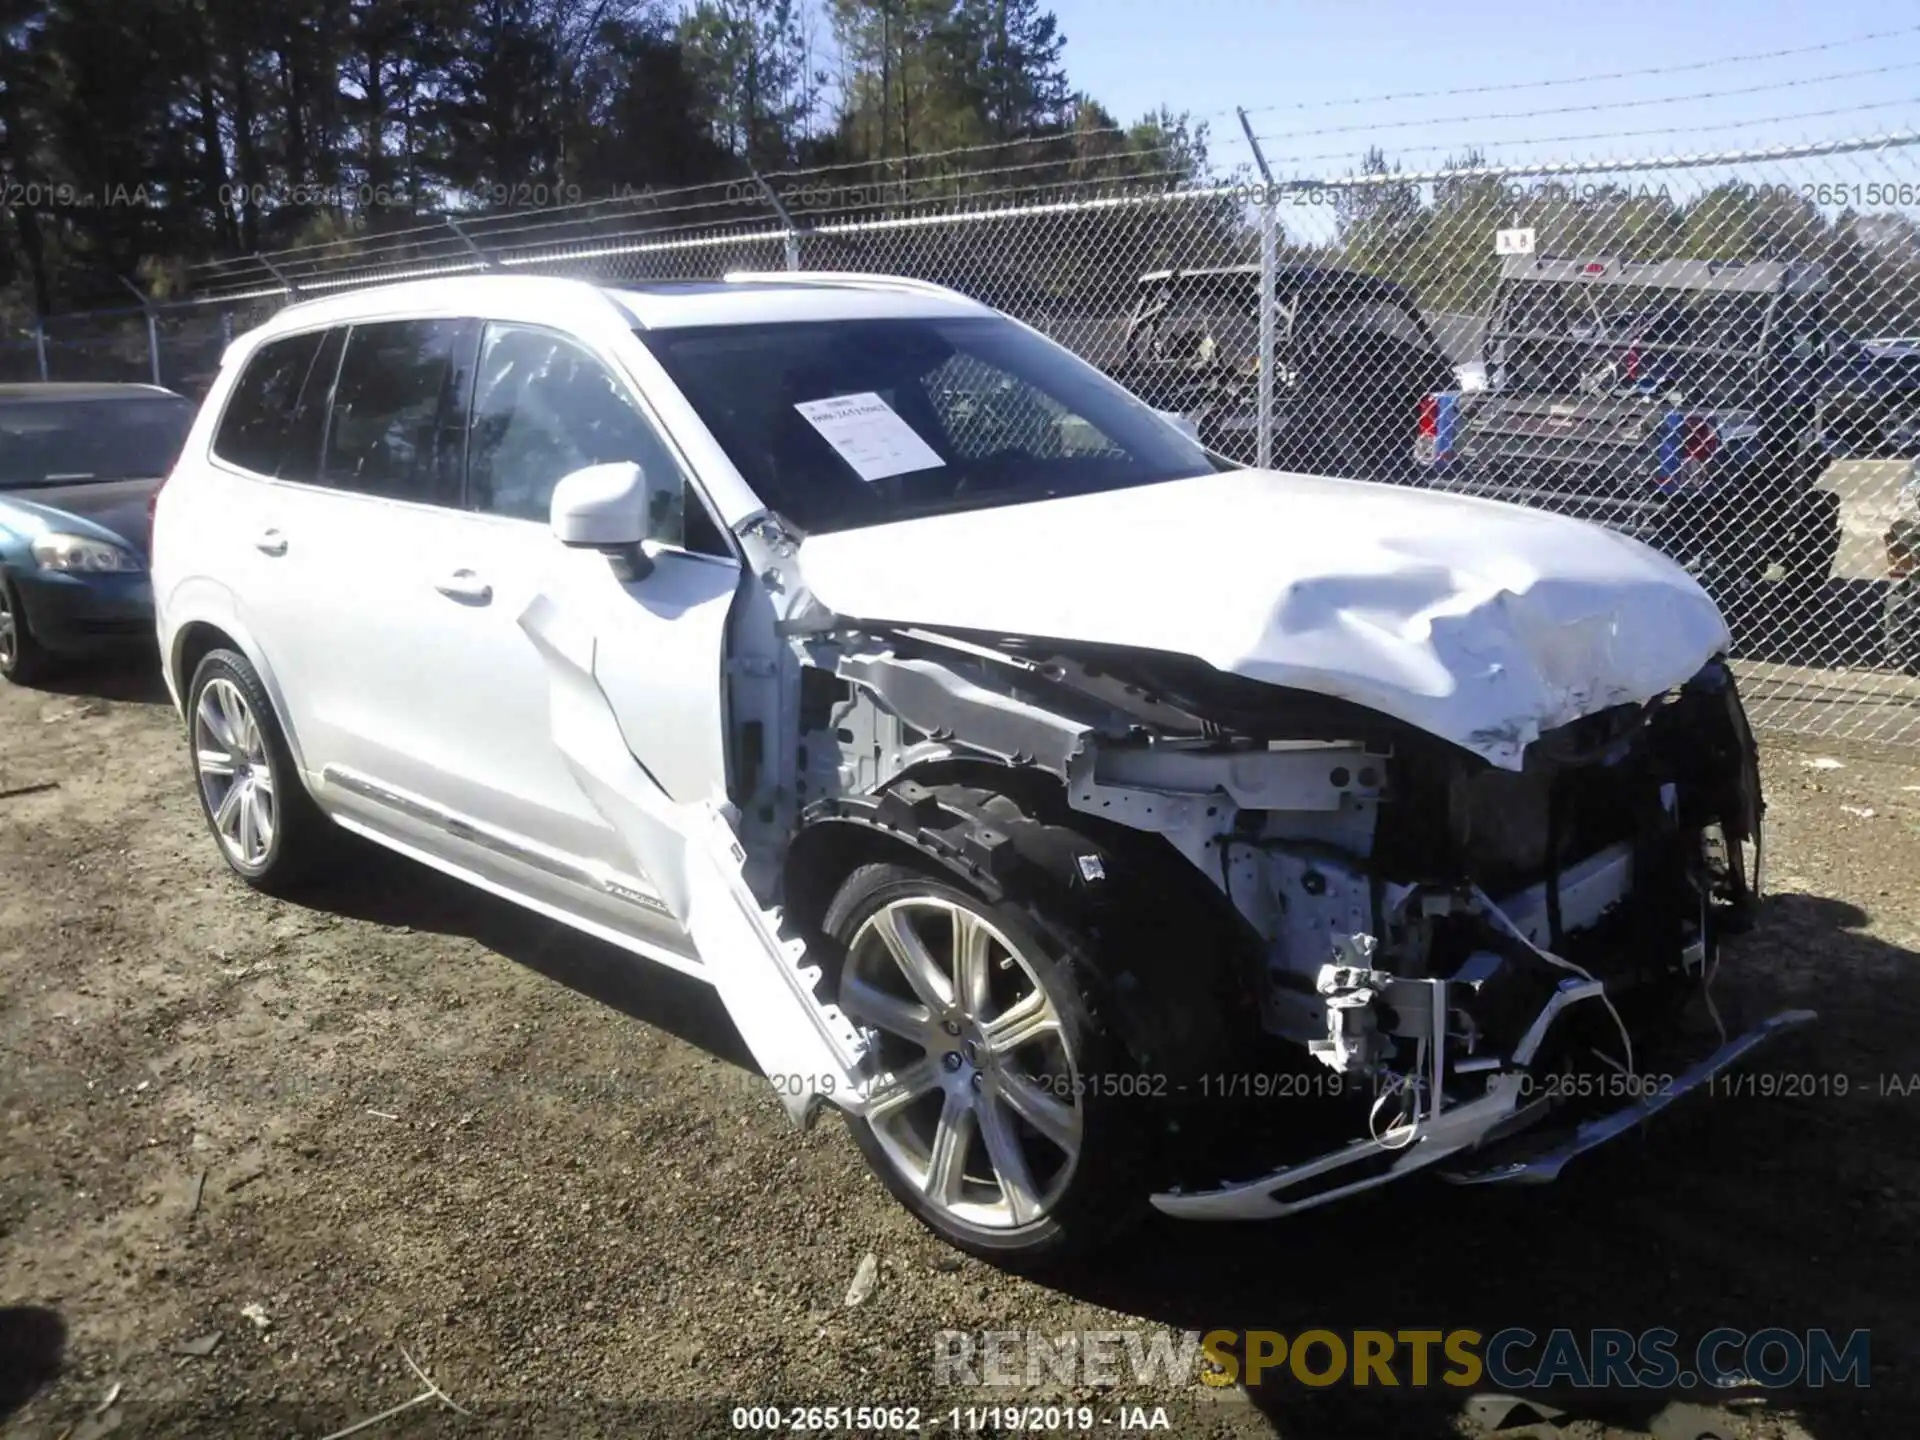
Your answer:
<point x="133" y="678"/>
<point x="32" y="1340"/>
<point x="387" y="890"/>
<point x="1733" y="1209"/>
<point x="1738" y="1209"/>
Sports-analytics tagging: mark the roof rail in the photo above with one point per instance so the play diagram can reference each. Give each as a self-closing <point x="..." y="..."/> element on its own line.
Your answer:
<point x="843" y="277"/>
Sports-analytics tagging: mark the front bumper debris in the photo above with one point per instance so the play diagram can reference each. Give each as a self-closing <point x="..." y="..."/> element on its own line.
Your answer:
<point x="1538" y="1157"/>
<point x="1476" y="1135"/>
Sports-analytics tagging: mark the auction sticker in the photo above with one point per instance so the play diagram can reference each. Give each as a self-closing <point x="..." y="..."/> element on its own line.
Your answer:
<point x="869" y="435"/>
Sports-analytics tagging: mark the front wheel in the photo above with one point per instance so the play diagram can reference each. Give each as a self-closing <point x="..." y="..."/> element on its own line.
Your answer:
<point x="1813" y="540"/>
<point x="1902" y="626"/>
<point x="270" y="832"/>
<point x="1001" y="1121"/>
<point x="23" y="659"/>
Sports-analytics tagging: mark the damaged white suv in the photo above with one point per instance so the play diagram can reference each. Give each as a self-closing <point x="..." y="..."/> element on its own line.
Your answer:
<point x="1096" y="823"/>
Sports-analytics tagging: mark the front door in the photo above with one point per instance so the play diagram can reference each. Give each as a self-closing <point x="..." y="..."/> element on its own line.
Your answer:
<point x="544" y="406"/>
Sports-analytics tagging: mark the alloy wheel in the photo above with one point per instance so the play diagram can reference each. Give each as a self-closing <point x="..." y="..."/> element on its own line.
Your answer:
<point x="236" y="777"/>
<point x="978" y="1101"/>
<point x="9" y="631"/>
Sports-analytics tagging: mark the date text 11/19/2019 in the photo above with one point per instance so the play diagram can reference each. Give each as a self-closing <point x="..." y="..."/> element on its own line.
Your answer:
<point x="965" y="1419"/>
<point x="1309" y="1085"/>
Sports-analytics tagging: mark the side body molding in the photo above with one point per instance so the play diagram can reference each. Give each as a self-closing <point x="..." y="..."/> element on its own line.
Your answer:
<point x="691" y="855"/>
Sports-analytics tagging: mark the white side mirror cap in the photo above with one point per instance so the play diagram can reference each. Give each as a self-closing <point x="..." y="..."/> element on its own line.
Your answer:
<point x="601" y="506"/>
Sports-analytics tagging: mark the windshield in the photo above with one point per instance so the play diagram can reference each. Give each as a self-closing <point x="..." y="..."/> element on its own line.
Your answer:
<point x="839" y="424"/>
<point x="1579" y="338"/>
<point x="74" y="442"/>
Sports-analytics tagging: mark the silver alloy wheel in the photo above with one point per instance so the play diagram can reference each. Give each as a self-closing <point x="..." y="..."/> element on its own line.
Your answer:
<point x="9" y="631"/>
<point x="236" y="780"/>
<point x="979" y="1104"/>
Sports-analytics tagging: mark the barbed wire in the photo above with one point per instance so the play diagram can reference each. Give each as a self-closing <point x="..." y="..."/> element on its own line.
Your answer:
<point x="1890" y="140"/>
<point x="479" y="222"/>
<point x="404" y="246"/>
<point x="1516" y="85"/>
<point x="1629" y="134"/>
<point x="1643" y="102"/>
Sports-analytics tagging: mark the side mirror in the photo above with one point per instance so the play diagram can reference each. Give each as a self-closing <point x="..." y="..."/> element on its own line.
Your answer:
<point x="606" y="508"/>
<point x="603" y="507"/>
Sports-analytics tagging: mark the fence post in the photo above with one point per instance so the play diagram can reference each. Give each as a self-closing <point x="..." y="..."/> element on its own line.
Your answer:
<point x="486" y="260"/>
<point x="790" y="236"/>
<point x="153" y="327"/>
<point x="1269" y="282"/>
<point x="40" y="345"/>
<point x="293" y="290"/>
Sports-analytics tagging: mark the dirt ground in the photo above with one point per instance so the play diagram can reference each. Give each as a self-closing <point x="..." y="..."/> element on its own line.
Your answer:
<point x="408" y="1117"/>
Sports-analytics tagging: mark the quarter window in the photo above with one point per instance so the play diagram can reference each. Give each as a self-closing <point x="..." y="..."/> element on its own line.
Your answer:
<point x="256" y="427"/>
<point x="396" y="425"/>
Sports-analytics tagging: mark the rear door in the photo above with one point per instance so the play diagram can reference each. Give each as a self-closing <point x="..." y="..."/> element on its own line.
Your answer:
<point x="268" y="438"/>
<point x="342" y="605"/>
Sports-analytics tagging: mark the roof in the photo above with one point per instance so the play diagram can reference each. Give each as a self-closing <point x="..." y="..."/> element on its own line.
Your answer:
<point x="1748" y="276"/>
<point x="742" y="298"/>
<point x="63" y="391"/>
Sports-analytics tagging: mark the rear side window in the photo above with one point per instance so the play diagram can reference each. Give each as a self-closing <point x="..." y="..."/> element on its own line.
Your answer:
<point x="397" y="425"/>
<point x="256" y="427"/>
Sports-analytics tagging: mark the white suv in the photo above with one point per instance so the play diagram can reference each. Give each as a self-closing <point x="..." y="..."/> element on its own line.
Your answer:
<point x="1094" y="822"/>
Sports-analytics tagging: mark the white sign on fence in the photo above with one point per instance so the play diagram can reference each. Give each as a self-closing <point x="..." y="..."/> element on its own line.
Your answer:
<point x="1513" y="242"/>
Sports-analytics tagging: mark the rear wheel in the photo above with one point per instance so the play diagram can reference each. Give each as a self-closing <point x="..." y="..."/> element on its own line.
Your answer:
<point x="1812" y="542"/>
<point x="23" y="659"/>
<point x="1902" y="626"/>
<point x="1001" y="1124"/>
<point x="270" y="832"/>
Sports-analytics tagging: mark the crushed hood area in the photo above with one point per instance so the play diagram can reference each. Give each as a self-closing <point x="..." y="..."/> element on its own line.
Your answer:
<point x="1482" y="623"/>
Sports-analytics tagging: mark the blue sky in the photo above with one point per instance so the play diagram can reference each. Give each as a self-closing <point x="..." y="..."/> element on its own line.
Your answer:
<point x="1206" y="56"/>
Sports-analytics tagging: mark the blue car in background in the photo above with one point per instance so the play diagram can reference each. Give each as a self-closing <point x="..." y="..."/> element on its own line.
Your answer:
<point x="79" y="465"/>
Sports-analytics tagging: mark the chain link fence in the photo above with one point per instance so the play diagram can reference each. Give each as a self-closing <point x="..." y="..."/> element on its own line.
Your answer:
<point x="1714" y="353"/>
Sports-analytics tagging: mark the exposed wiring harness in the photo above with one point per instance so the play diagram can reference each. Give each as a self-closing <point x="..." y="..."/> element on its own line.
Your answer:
<point x="1406" y="1128"/>
<point x="1500" y="916"/>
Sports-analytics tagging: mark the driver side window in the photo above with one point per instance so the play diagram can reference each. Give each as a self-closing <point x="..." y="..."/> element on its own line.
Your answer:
<point x="543" y="407"/>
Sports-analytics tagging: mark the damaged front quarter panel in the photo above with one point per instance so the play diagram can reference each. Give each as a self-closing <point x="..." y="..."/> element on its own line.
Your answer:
<point x="1437" y="905"/>
<point x="1361" y="926"/>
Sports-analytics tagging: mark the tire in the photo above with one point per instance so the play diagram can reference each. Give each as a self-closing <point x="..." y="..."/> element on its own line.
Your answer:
<point x="23" y="659"/>
<point x="1812" y="543"/>
<point x="275" y="837"/>
<point x="1063" y="1102"/>
<point x="1902" y="627"/>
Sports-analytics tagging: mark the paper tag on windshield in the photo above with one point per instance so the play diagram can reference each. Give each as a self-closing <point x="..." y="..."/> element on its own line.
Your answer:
<point x="870" y="435"/>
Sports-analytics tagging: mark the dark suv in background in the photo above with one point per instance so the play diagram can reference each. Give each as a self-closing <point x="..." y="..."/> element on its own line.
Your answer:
<point x="1352" y="354"/>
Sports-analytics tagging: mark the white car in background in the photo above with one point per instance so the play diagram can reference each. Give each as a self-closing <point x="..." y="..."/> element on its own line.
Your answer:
<point x="1096" y="824"/>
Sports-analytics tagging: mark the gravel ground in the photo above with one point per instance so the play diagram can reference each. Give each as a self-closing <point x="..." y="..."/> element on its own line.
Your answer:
<point x="411" y="1117"/>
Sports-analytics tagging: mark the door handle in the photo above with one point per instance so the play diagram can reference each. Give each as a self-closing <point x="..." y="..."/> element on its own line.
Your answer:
<point x="271" y="542"/>
<point x="465" y="586"/>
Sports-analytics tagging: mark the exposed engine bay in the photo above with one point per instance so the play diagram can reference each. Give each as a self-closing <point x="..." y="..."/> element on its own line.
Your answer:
<point x="1315" y="895"/>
